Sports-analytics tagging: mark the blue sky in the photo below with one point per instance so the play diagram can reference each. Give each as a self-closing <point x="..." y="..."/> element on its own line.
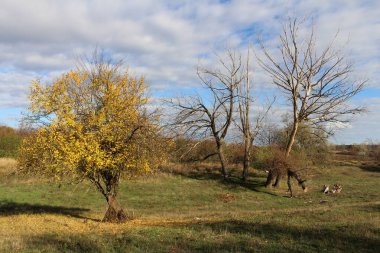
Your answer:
<point x="165" y="40"/>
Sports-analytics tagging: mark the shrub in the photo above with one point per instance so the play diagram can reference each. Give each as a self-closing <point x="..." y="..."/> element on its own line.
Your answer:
<point x="10" y="142"/>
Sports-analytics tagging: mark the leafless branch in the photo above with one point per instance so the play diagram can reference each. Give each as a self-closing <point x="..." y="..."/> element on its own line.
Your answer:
<point x="319" y="84"/>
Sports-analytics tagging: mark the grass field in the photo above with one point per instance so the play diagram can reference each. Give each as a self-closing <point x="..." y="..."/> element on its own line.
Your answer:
<point x="194" y="211"/>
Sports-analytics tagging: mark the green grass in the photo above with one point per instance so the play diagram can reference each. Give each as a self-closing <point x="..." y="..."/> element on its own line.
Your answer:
<point x="194" y="212"/>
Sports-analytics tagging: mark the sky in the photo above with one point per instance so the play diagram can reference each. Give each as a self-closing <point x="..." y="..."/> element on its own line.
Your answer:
<point x="165" y="40"/>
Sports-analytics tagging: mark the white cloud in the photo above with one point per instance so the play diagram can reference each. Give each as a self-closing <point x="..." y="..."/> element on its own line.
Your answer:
<point x="13" y="91"/>
<point x="163" y="40"/>
<point x="363" y="127"/>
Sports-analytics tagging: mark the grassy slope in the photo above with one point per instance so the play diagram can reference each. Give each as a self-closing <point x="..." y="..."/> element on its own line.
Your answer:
<point x="193" y="213"/>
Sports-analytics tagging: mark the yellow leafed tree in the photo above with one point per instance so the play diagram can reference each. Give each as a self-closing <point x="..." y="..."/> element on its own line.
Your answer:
<point x="93" y="124"/>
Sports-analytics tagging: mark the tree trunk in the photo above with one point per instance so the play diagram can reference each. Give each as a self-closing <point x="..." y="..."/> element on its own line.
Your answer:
<point x="245" y="169"/>
<point x="222" y="160"/>
<point x="114" y="213"/>
<point x="247" y="156"/>
<point x="278" y="180"/>
<point x="291" y="138"/>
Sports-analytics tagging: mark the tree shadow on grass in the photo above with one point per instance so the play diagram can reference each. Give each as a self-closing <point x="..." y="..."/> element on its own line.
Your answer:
<point x="219" y="236"/>
<point x="370" y="168"/>
<point x="8" y="208"/>
<point x="298" y="239"/>
<point x="254" y="184"/>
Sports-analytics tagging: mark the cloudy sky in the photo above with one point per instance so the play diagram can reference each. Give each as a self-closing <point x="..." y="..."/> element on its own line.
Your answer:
<point x="164" y="40"/>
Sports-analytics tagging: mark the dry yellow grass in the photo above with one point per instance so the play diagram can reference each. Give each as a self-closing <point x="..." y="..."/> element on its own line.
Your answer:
<point x="16" y="230"/>
<point x="7" y="165"/>
<point x="14" y="226"/>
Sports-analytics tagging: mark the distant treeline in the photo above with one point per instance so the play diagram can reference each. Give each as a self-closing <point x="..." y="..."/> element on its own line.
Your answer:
<point x="371" y="150"/>
<point x="311" y="147"/>
<point x="10" y="140"/>
<point x="308" y="147"/>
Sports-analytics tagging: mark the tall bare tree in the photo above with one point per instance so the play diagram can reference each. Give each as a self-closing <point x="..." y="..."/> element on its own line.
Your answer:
<point x="318" y="83"/>
<point x="212" y="117"/>
<point x="249" y="130"/>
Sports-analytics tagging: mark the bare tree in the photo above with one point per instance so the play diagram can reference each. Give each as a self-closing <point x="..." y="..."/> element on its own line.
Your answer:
<point x="212" y="117"/>
<point x="249" y="130"/>
<point x="317" y="83"/>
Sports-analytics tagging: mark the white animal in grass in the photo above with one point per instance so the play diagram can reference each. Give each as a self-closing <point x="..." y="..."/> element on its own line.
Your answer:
<point x="337" y="188"/>
<point x="326" y="189"/>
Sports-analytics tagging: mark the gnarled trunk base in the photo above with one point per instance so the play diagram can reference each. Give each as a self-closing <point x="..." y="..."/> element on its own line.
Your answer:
<point x="114" y="213"/>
